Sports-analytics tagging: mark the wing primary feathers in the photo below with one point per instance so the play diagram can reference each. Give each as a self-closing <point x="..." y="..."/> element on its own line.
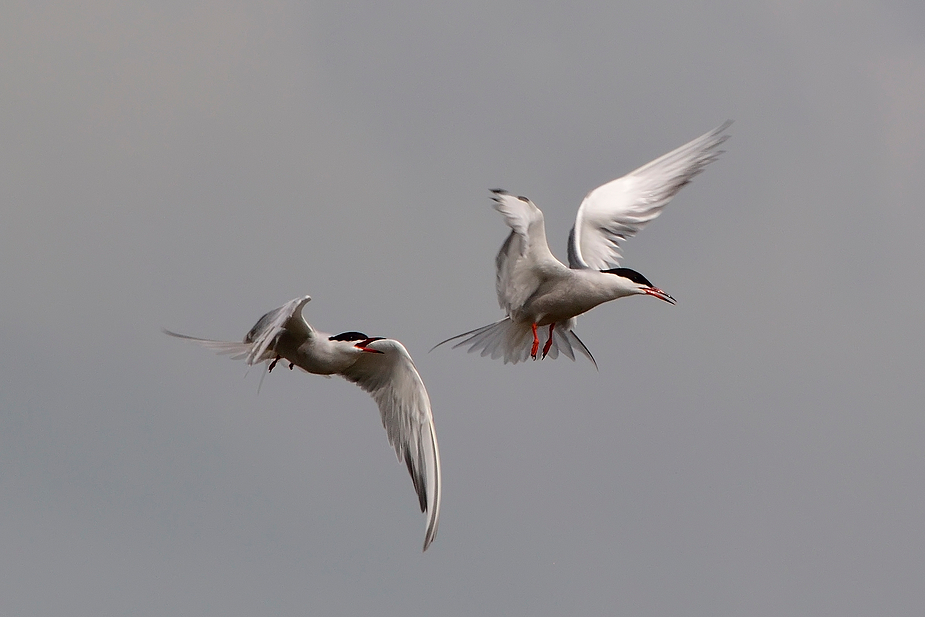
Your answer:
<point x="417" y="480"/>
<point x="619" y="209"/>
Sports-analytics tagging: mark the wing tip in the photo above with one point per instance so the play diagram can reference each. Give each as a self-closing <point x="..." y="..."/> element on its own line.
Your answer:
<point x="430" y="535"/>
<point x="500" y="194"/>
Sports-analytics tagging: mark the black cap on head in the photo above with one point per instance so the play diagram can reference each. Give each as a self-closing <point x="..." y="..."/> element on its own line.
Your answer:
<point x="631" y="275"/>
<point x="349" y="336"/>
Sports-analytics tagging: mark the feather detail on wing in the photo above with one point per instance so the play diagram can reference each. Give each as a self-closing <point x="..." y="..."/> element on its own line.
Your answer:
<point x="258" y="344"/>
<point x="522" y="252"/>
<point x="392" y="380"/>
<point x="617" y="210"/>
<point x="266" y="331"/>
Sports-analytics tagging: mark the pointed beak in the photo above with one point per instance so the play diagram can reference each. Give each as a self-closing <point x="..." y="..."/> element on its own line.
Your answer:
<point x="362" y="345"/>
<point x="658" y="293"/>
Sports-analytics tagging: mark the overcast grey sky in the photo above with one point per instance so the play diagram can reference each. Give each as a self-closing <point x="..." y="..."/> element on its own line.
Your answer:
<point x="755" y="450"/>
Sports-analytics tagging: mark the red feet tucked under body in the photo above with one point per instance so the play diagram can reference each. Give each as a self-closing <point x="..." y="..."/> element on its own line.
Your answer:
<point x="536" y="342"/>
<point x="549" y="342"/>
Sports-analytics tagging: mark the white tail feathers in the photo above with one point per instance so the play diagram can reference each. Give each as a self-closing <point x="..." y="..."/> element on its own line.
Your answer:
<point x="513" y="341"/>
<point x="236" y="350"/>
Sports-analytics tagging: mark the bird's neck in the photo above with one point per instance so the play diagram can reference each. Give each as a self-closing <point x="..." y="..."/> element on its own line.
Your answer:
<point x="605" y="287"/>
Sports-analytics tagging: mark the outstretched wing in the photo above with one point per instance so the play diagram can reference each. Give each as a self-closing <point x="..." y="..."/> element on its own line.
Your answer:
<point x="394" y="383"/>
<point x="258" y="344"/>
<point x="619" y="209"/>
<point x="524" y="250"/>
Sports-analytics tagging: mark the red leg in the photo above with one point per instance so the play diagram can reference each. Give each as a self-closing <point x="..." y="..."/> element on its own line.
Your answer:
<point x="549" y="342"/>
<point x="536" y="343"/>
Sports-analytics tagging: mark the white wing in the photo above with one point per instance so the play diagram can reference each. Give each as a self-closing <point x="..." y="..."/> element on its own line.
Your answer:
<point x="524" y="250"/>
<point x="258" y="344"/>
<point x="268" y="328"/>
<point x="619" y="209"/>
<point x="394" y="383"/>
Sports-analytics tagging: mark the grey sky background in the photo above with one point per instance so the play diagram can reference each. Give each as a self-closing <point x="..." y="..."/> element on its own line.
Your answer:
<point x="755" y="450"/>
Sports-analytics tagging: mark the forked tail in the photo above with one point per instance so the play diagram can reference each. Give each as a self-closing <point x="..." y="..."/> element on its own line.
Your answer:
<point x="513" y="341"/>
<point x="236" y="350"/>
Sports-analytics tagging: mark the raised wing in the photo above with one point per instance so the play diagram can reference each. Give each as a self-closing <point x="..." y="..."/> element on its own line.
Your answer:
<point x="619" y="209"/>
<point x="268" y="328"/>
<point x="394" y="383"/>
<point x="259" y="342"/>
<point x="524" y="250"/>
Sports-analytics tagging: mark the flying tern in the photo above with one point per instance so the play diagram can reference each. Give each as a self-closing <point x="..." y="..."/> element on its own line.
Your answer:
<point x="536" y="290"/>
<point x="378" y="365"/>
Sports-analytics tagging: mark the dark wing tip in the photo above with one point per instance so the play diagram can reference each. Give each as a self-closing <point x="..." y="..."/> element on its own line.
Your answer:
<point x="502" y="192"/>
<point x="418" y="481"/>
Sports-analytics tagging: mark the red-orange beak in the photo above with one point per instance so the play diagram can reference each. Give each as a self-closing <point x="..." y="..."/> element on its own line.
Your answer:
<point x="362" y="345"/>
<point x="658" y="293"/>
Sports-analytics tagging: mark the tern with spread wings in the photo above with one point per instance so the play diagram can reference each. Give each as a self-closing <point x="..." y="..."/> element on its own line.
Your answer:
<point x="380" y="366"/>
<point x="537" y="291"/>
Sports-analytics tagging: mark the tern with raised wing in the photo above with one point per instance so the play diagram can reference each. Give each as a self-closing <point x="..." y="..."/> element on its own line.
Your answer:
<point x="380" y="366"/>
<point x="537" y="291"/>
